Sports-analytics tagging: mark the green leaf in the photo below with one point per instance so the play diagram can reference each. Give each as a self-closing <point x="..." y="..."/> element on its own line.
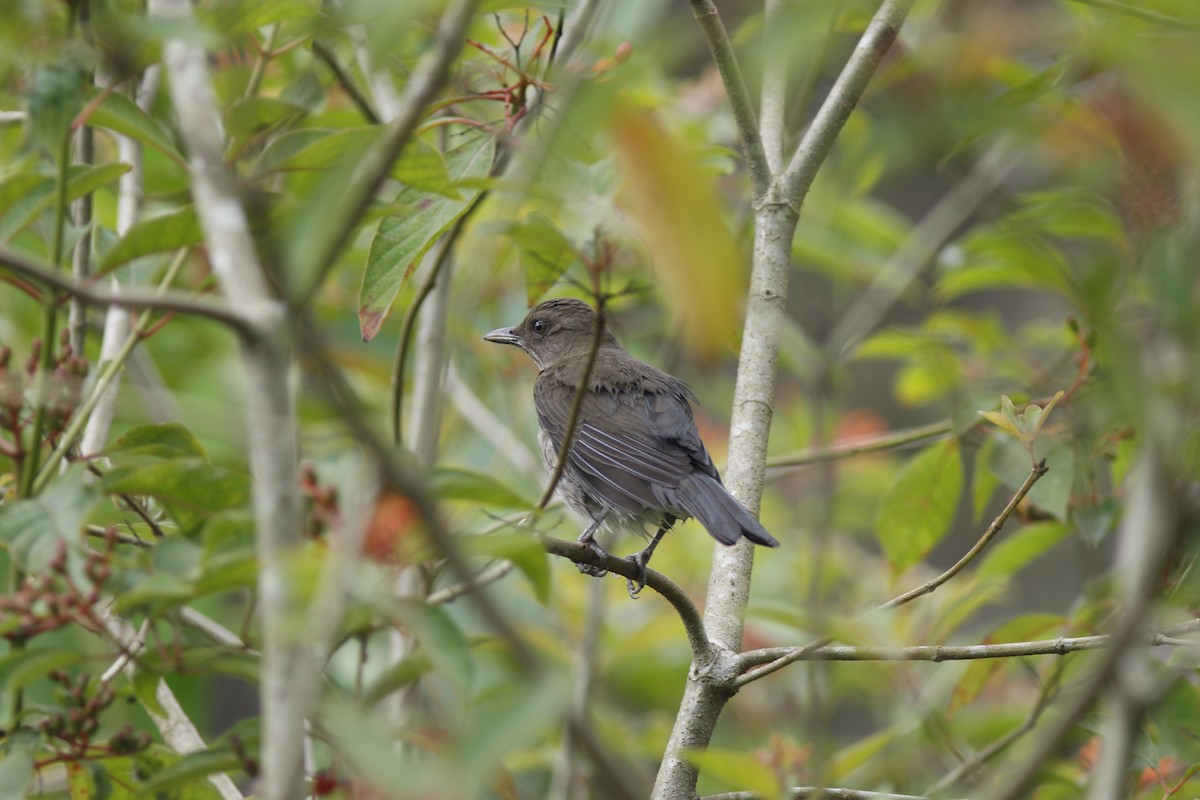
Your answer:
<point x="546" y="253"/>
<point x="401" y="241"/>
<point x="1011" y="462"/>
<point x="918" y="508"/>
<point x="121" y="115"/>
<point x="164" y="440"/>
<point x="255" y="114"/>
<point x="735" y="770"/>
<point x="16" y="764"/>
<point x="32" y="529"/>
<point x="191" y="489"/>
<point x="20" y="668"/>
<point x="1008" y="557"/>
<point x="403" y="673"/>
<point x="25" y="196"/>
<point x="145" y="689"/>
<point x="853" y="756"/>
<point x="160" y="234"/>
<point x="314" y="148"/>
<point x="451" y="483"/>
<point x="190" y="769"/>
<point x="521" y="549"/>
<point x="978" y="672"/>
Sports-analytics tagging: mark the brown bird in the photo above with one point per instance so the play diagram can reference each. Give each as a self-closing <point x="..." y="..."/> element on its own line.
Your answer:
<point x="636" y="457"/>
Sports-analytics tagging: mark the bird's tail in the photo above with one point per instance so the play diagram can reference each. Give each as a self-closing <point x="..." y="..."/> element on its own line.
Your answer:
<point x="719" y="512"/>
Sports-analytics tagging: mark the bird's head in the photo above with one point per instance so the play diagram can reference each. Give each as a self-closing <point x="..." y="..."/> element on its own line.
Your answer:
<point x="554" y="331"/>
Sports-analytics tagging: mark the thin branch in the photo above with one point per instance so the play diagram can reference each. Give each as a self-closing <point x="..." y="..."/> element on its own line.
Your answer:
<point x="176" y="728"/>
<point x="740" y="103"/>
<point x="105" y="385"/>
<point x="841" y="100"/>
<point x="490" y="574"/>
<point x="891" y="441"/>
<point x="774" y="88"/>
<point x="692" y="622"/>
<point x="495" y="430"/>
<point x="161" y="301"/>
<point x="99" y="532"/>
<point x="1039" y="469"/>
<point x="969" y="652"/>
<point x="919" y="248"/>
<point x="1137" y="12"/>
<point x="806" y="792"/>
<point x="581" y="391"/>
<point x="1143" y="543"/>
<point x="399" y="476"/>
<point x="1048" y="692"/>
<point x="789" y="656"/>
<point x="319" y="256"/>
<point x="260" y="64"/>
<point x="270" y="407"/>
<point x="410" y="318"/>
<point x="360" y="100"/>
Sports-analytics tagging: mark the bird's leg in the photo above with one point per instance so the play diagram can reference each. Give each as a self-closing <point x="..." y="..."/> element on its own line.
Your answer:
<point x="642" y="558"/>
<point x="587" y="539"/>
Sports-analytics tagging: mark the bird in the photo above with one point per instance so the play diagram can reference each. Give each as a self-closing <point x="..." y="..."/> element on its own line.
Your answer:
<point x="636" y="457"/>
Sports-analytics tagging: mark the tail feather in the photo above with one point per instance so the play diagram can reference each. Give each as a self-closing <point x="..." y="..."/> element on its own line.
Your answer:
<point x="720" y="513"/>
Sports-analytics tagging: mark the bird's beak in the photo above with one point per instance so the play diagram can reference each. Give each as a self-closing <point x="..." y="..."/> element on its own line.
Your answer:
<point x="503" y="336"/>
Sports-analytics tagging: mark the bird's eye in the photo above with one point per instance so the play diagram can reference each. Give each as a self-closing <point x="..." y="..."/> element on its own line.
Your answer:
<point x="539" y="326"/>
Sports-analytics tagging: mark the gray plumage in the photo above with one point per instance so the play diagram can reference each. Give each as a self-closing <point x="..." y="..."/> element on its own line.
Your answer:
<point x="636" y="458"/>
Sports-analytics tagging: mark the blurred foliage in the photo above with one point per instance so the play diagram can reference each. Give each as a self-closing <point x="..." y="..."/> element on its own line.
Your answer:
<point x="1058" y="318"/>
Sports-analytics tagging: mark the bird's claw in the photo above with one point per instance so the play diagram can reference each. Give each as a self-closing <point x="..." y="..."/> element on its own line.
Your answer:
<point x="635" y="585"/>
<point x="588" y="569"/>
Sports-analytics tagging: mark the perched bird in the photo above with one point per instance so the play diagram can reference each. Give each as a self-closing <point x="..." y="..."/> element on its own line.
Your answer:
<point x="636" y="457"/>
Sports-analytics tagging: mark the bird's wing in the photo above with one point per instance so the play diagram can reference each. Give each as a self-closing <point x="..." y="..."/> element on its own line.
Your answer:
<point x="629" y="446"/>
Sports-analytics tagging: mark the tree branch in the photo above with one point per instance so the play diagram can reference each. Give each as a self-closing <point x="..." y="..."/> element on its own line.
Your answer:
<point x="129" y="298"/>
<point x="841" y="100"/>
<point x="806" y="792"/>
<point x="319" y="255"/>
<point x="671" y="591"/>
<point x="970" y="652"/>
<point x="740" y="103"/>
<point x="798" y="653"/>
<point x="270" y="409"/>
<point x="891" y="441"/>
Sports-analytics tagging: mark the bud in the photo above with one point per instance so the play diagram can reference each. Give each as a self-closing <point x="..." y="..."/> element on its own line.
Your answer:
<point x="623" y="52"/>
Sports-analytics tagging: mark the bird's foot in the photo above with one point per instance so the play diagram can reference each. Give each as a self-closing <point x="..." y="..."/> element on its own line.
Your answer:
<point x="635" y="585"/>
<point x="588" y="569"/>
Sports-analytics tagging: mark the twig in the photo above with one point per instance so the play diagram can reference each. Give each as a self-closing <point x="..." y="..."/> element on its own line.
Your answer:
<point x="99" y="532"/>
<point x="105" y="382"/>
<point x="176" y="727"/>
<point x="260" y="63"/>
<point x="501" y="436"/>
<point x="581" y="392"/>
<point x="360" y="100"/>
<point x="319" y="255"/>
<point x="1142" y="546"/>
<point x="969" y="652"/>
<point x="841" y="100"/>
<point x="1039" y="469"/>
<point x="693" y="624"/>
<point x="129" y="298"/>
<point x="270" y="407"/>
<point x="1137" y="12"/>
<point x="981" y="756"/>
<point x="740" y="103"/>
<point x="890" y="441"/>
<point x="795" y="654"/>
<point x="490" y="574"/>
<point x="806" y="792"/>
<point x="919" y="248"/>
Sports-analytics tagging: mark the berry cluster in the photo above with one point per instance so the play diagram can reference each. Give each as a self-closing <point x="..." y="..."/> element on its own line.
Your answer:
<point x="323" y="511"/>
<point x="52" y="599"/>
<point x="70" y="731"/>
<point x="60" y="394"/>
